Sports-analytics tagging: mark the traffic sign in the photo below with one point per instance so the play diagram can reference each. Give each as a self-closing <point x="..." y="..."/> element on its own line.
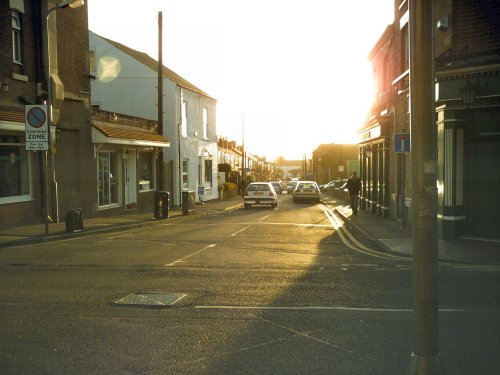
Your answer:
<point x="36" y="127"/>
<point x="401" y="142"/>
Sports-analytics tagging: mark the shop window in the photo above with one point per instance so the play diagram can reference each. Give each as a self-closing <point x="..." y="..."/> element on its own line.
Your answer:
<point x="146" y="170"/>
<point x="14" y="170"/>
<point x="16" y="38"/>
<point x="185" y="174"/>
<point x="108" y="178"/>
<point x="208" y="172"/>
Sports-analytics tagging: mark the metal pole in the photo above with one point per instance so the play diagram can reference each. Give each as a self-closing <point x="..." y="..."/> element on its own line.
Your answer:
<point x="160" y="99"/>
<point x="53" y="184"/>
<point x="425" y="359"/>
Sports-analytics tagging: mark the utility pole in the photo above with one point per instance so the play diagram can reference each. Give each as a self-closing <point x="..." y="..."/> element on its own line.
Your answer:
<point x="425" y="359"/>
<point x="160" y="100"/>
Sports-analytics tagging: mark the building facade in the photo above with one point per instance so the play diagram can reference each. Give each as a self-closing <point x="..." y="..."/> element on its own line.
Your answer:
<point x="126" y="82"/>
<point x="467" y="120"/>
<point x="334" y="162"/>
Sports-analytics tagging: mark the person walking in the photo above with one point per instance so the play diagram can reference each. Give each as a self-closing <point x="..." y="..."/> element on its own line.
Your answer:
<point x="353" y="185"/>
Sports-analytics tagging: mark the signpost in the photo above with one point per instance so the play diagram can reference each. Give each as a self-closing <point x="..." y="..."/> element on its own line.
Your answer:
<point x="36" y="127"/>
<point x="401" y="142"/>
<point x="37" y="139"/>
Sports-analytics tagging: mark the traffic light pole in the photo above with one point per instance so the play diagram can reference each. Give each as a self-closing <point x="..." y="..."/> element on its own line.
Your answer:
<point x="425" y="359"/>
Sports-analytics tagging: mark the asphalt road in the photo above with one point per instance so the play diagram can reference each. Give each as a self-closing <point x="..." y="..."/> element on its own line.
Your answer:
<point x="253" y="291"/>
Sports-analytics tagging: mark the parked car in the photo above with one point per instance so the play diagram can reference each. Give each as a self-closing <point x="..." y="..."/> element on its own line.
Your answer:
<point x="260" y="193"/>
<point x="306" y="191"/>
<point x="327" y="186"/>
<point x="277" y="186"/>
<point x="291" y="186"/>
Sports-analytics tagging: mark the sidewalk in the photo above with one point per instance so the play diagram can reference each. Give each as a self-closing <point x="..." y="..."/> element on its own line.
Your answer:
<point x="389" y="235"/>
<point x="35" y="233"/>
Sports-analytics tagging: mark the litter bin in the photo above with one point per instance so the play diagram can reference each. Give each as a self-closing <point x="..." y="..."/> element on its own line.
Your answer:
<point x="74" y="220"/>
<point x="188" y="200"/>
<point x="162" y="202"/>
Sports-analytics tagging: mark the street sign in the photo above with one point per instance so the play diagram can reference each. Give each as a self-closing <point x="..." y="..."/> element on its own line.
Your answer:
<point x="36" y="127"/>
<point x="401" y="142"/>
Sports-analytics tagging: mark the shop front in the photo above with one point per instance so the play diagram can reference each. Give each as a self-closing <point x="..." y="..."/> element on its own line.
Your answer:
<point x="126" y="165"/>
<point x="374" y="151"/>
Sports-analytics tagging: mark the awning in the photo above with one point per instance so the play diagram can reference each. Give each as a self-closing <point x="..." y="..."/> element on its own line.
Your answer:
<point x="103" y="134"/>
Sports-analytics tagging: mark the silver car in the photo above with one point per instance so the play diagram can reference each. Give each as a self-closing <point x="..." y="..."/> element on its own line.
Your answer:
<point x="260" y="193"/>
<point x="306" y="191"/>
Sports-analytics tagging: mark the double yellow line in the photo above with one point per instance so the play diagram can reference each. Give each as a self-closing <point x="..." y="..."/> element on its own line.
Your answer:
<point x="352" y="242"/>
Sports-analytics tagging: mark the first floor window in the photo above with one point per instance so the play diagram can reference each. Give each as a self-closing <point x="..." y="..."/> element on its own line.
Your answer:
<point x="208" y="172"/>
<point x="205" y="123"/>
<point x="108" y="178"/>
<point x="14" y="169"/>
<point x="16" y="37"/>
<point x="146" y="170"/>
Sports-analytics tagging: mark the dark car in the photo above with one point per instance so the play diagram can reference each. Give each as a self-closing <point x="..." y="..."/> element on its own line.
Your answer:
<point x="277" y="186"/>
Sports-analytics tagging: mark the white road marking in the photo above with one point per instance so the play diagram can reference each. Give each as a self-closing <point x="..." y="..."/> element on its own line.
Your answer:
<point x="264" y="218"/>
<point x="183" y="259"/>
<point x="305" y="308"/>
<point x="356" y="245"/>
<point x="241" y="230"/>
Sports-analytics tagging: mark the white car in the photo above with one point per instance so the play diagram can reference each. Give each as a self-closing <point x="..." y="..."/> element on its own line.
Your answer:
<point x="306" y="191"/>
<point x="260" y="193"/>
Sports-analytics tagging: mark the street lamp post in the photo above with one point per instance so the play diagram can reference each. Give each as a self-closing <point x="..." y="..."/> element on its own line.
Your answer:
<point x="55" y="208"/>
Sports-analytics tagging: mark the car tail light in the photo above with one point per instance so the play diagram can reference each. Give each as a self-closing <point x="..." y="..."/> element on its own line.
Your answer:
<point x="271" y="194"/>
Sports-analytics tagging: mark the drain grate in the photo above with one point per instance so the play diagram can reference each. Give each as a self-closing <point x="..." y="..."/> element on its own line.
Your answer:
<point x="151" y="299"/>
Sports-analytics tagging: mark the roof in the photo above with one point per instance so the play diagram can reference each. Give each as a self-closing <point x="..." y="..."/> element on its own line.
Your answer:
<point x="11" y="115"/>
<point x="118" y="135"/>
<point x="147" y="60"/>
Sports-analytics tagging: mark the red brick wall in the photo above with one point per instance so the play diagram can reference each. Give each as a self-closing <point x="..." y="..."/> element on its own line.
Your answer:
<point x="476" y="25"/>
<point x="73" y="49"/>
<point x="8" y="67"/>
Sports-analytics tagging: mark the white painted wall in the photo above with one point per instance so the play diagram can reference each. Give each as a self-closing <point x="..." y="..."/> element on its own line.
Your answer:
<point x="125" y="85"/>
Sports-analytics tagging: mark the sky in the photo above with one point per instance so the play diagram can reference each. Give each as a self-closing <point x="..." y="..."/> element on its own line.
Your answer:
<point x="288" y="75"/>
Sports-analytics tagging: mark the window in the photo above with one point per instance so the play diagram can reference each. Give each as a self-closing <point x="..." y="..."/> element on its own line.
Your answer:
<point x="92" y="64"/>
<point x="146" y="170"/>
<point x="205" y="123"/>
<point x="405" y="49"/>
<point x="184" y="119"/>
<point x="16" y="38"/>
<point x="108" y="178"/>
<point x="208" y="172"/>
<point x="185" y="174"/>
<point x="14" y="169"/>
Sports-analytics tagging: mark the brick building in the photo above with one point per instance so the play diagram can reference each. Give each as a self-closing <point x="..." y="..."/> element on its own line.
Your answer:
<point x="21" y="189"/>
<point x="467" y="79"/>
<point x="40" y="39"/>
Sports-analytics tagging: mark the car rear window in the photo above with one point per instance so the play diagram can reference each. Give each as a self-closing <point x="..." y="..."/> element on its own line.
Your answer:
<point x="307" y="186"/>
<point x="258" y="187"/>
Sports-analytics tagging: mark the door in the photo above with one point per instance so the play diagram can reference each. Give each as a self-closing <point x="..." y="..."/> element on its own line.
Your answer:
<point x="482" y="189"/>
<point x="129" y="168"/>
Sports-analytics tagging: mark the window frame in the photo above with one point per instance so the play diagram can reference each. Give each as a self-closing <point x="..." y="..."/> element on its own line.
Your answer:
<point x="152" y="180"/>
<point x="23" y="171"/>
<point x="185" y="174"/>
<point x="17" y="53"/>
<point x="112" y="165"/>
<point x="205" y="124"/>
<point x="184" y="118"/>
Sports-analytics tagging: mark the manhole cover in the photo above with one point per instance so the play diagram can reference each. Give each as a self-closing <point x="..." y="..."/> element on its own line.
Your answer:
<point x="151" y="299"/>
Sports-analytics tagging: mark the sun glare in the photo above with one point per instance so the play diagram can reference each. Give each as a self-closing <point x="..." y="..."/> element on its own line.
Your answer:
<point x="285" y="82"/>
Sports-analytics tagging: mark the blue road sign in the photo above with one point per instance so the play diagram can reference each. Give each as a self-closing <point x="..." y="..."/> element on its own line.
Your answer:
<point x="401" y="142"/>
